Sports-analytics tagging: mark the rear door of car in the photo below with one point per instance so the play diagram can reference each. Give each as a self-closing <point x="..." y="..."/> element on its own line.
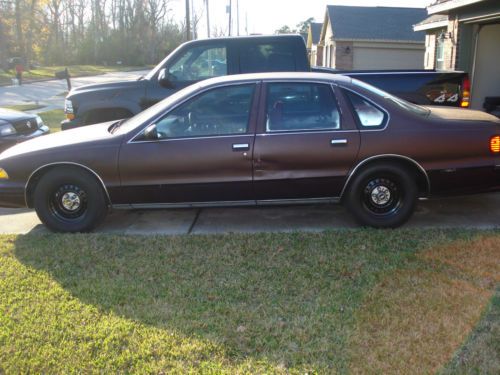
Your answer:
<point x="306" y="141"/>
<point x="203" y="154"/>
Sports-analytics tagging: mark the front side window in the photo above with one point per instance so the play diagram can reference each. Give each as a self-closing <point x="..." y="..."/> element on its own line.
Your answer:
<point x="199" y="63"/>
<point x="368" y="115"/>
<point x="220" y="111"/>
<point x="301" y="106"/>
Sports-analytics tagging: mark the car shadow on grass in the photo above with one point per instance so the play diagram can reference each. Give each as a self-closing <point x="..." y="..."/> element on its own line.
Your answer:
<point x="284" y="299"/>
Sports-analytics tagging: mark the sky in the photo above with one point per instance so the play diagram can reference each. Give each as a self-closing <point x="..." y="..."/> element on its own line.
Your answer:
<point x="266" y="16"/>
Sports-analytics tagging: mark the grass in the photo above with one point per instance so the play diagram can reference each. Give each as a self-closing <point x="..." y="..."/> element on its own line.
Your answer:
<point x="24" y="107"/>
<point x="400" y="301"/>
<point x="53" y="119"/>
<point x="48" y="72"/>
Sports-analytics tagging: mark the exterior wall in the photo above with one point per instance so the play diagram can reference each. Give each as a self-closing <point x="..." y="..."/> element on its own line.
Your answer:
<point x="329" y="47"/>
<point x="344" y="52"/>
<point x="451" y="44"/>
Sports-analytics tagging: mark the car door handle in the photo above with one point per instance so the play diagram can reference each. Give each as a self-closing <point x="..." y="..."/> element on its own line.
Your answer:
<point x="338" y="142"/>
<point x="241" y="147"/>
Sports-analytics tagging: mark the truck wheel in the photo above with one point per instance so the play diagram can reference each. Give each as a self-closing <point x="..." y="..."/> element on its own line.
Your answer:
<point x="69" y="200"/>
<point x="382" y="196"/>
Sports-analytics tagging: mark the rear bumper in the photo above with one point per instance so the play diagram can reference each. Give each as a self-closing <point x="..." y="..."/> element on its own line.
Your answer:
<point x="9" y="141"/>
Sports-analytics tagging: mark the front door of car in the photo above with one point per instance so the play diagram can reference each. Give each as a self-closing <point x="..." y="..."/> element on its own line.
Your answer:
<point x="200" y="151"/>
<point x="304" y="147"/>
<point x="188" y="66"/>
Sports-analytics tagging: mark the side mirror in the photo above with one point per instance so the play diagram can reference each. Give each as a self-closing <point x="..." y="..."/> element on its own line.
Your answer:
<point x="151" y="133"/>
<point x="164" y="79"/>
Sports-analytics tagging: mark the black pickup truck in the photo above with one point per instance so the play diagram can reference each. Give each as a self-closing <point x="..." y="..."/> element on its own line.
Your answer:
<point x="201" y="59"/>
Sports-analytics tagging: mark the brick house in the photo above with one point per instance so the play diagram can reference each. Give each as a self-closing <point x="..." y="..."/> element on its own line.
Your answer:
<point x="372" y="38"/>
<point x="465" y="35"/>
<point x="313" y="35"/>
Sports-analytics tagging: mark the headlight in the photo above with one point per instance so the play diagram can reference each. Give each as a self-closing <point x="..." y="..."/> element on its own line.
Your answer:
<point x="7" y="129"/>
<point x="68" y="106"/>
<point x="3" y="174"/>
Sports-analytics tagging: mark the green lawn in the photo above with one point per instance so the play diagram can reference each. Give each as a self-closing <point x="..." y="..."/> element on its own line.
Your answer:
<point x="48" y="72"/>
<point x="333" y="302"/>
<point x="24" y="107"/>
<point x="53" y="119"/>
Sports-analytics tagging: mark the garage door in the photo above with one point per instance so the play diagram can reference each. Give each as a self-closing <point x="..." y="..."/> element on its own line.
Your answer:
<point x="387" y="58"/>
<point x="486" y="79"/>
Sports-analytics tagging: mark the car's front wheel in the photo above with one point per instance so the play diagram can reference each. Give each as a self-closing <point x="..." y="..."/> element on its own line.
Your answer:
<point x="71" y="200"/>
<point x="382" y="196"/>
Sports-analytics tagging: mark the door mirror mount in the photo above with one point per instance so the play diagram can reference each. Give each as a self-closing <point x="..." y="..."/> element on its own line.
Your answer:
<point x="151" y="133"/>
<point x="165" y="79"/>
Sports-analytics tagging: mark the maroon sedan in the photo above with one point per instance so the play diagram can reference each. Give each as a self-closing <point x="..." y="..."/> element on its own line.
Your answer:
<point x="258" y="139"/>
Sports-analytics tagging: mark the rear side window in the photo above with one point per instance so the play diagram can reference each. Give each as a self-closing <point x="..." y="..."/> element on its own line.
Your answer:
<point x="275" y="57"/>
<point x="369" y="116"/>
<point x="301" y="106"/>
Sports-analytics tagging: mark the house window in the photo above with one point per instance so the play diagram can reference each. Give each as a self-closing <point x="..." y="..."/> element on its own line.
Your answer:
<point x="439" y="53"/>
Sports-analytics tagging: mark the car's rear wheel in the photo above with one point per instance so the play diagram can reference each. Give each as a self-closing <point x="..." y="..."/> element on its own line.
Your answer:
<point x="69" y="200"/>
<point x="382" y="196"/>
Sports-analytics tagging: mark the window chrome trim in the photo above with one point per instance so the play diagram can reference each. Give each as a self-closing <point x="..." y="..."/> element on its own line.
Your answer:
<point x="364" y="161"/>
<point x="65" y="163"/>
<point x="175" y="106"/>
<point x="193" y="138"/>
<point x="376" y="105"/>
<point x="310" y="132"/>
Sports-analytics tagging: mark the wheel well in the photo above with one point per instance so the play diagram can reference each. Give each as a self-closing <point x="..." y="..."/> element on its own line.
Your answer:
<point x="95" y="116"/>
<point x="421" y="178"/>
<point x="39" y="173"/>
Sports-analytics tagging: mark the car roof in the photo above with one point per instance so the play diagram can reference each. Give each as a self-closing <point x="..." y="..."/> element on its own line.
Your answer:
<point x="277" y="76"/>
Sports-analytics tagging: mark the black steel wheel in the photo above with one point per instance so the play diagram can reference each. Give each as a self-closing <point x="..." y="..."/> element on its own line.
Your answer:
<point x="68" y="199"/>
<point x="382" y="196"/>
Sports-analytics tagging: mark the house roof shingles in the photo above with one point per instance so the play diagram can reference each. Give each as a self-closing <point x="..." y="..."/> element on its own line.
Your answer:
<point x="316" y="31"/>
<point x="376" y="23"/>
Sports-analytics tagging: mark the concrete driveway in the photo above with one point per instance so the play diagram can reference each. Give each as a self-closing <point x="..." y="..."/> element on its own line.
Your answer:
<point x="49" y="93"/>
<point x="478" y="211"/>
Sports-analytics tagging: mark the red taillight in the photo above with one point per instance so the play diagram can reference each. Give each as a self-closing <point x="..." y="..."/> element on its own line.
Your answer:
<point x="495" y="144"/>
<point x="465" y="102"/>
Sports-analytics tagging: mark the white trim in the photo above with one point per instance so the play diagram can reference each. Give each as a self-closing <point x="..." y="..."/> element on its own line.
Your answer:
<point x="450" y="4"/>
<point x="430" y="25"/>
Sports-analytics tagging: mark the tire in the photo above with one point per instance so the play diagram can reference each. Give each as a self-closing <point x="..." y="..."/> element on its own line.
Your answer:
<point x="382" y="196"/>
<point x="69" y="200"/>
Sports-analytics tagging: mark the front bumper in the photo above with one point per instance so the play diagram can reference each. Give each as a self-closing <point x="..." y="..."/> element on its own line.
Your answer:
<point x="72" y="124"/>
<point x="11" y="140"/>
<point x="11" y="195"/>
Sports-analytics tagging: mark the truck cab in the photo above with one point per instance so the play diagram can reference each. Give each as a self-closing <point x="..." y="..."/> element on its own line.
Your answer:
<point x="189" y="63"/>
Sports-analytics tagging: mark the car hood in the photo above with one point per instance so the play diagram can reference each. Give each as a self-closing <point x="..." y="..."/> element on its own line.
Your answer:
<point x="447" y="113"/>
<point x="117" y="85"/>
<point x="11" y="115"/>
<point x="65" y="139"/>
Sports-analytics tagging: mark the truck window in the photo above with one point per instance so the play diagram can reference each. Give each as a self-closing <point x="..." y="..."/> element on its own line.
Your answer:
<point x="275" y="57"/>
<point x="199" y="63"/>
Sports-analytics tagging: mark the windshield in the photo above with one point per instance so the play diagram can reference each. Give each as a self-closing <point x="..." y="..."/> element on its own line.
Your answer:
<point x="407" y="106"/>
<point x="154" y="111"/>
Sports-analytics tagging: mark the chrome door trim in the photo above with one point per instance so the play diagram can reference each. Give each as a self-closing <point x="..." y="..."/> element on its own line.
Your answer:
<point x="266" y="202"/>
<point x="65" y="163"/>
<point x="335" y="142"/>
<point x="364" y="161"/>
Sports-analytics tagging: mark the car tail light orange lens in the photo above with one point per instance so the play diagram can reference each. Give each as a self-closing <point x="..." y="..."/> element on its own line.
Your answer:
<point x="495" y="144"/>
<point x="465" y="102"/>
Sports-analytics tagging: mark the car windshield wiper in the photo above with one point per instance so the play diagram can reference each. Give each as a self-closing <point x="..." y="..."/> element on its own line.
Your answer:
<point x="140" y="78"/>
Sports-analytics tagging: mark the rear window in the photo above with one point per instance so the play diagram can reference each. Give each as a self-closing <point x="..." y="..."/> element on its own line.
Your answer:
<point x="401" y="103"/>
<point x="267" y="57"/>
